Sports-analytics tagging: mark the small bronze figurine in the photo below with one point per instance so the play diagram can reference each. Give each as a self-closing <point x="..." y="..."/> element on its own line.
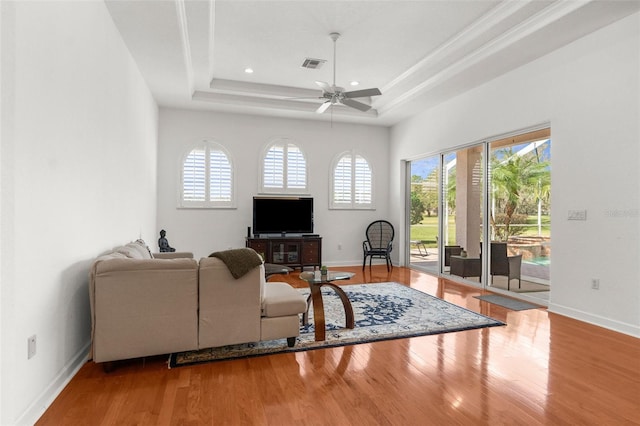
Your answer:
<point x="163" y="243"/>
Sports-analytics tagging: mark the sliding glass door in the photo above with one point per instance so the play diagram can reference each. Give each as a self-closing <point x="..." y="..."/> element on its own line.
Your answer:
<point x="519" y="217"/>
<point x="503" y="184"/>
<point x="445" y="212"/>
<point x="424" y="213"/>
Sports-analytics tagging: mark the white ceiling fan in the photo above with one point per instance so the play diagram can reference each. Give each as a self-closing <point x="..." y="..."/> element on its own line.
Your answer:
<point x="335" y="95"/>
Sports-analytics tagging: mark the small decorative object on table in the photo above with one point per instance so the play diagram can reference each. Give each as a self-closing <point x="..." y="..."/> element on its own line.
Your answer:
<point x="323" y="272"/>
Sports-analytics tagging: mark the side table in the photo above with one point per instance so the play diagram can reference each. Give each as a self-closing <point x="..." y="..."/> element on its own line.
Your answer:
<point x="466" y="266"/>
<point x="315" y="285"/>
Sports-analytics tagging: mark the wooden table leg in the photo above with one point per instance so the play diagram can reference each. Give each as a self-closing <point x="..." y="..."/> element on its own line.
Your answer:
<point x="315" y="297"/>
<point x="318" y="312"/>
<point x="346" y="303"/>
<point x="305" y="316"/>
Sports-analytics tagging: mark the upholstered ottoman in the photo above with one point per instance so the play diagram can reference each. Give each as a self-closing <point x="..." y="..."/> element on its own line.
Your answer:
<point x="281" y="308"/>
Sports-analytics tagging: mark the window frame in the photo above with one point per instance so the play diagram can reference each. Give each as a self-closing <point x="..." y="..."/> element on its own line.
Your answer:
<point x="208" y="145"/>
<point x="286" y="143"/>
<point x="352" y="204"/>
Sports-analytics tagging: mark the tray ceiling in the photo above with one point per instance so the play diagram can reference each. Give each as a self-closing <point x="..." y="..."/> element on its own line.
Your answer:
<point x="193" y="53"/>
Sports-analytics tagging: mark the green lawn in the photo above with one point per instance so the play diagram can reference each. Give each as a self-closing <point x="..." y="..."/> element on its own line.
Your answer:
<point x="532" y="226"/>
<point x="427" y="230"/>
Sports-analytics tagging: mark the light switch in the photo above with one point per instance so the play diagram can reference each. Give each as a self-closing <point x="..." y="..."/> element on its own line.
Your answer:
<point x="577" y="215"/>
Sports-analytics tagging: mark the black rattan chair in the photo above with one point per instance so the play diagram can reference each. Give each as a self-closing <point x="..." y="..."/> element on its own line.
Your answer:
<point x="379" y="242"/>
<point x="503" y="264"/>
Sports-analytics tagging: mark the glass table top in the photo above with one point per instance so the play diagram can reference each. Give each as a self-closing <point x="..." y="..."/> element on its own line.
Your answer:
<point x="316" y="278"/>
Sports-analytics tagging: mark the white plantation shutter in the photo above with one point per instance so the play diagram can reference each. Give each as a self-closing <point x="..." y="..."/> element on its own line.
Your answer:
<point x="219" y="177"/>
<point x="194" y="176"/>
<point x="273" y="174"/>
<point x="362" y="181"/>
<point x="296" y="168"/>
<point x="352" y="183"/>
<point x="342" y="182"/>
<point x="207" y="177"/>
<point x="284" y="169"/>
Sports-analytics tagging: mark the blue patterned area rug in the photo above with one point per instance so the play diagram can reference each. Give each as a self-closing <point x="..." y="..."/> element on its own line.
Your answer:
<point x="382" y="311"/>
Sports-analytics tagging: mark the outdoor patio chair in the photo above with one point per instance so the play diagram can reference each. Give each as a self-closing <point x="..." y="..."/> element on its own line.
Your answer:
<point x="379" y="242"/>
<point x="504" y="265"/>
<point x="451" y="251"/>
<point x="421" y="245"/>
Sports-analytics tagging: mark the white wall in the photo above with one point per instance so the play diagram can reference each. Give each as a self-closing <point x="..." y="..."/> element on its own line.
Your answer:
<point x="589" y="92"/>
<point x="79" y="130"/>
<point x="245" y="137"/>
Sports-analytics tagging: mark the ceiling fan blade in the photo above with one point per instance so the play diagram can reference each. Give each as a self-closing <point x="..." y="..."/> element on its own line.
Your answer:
<point x="357" y="105"/>
<point x="325" y="86"/>
<point x="362" y="93"/>
<point x="323" y="107"/>
<point x="305" y="98"/>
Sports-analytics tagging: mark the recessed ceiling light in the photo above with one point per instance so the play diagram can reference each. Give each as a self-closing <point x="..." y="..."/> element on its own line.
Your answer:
<point x="355" y="83"/>
<point x="248" y="70"/>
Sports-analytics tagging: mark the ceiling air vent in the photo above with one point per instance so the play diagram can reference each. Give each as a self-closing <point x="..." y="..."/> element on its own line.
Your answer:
<point x="313" y="64"/>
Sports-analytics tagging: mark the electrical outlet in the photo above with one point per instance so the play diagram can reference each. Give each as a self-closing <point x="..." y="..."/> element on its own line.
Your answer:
<point x="31" y="347"/>
<point x="595" y="283"/>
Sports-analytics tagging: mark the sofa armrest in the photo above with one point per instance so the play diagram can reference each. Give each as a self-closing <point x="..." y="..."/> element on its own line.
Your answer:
<point x="173" y="255"/>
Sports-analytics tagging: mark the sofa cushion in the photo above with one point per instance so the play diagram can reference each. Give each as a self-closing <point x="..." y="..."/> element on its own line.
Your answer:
<point x="280" y="299"/>
<point x="111" y="255"/>
<point x="129" y="251"/>
<point x="147" y="250"/>
<point x="135" y="250"/>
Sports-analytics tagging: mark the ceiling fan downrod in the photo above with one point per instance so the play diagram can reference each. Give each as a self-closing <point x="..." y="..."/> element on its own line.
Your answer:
<point x="334" y="95"/>
<point x="334" y="37"/>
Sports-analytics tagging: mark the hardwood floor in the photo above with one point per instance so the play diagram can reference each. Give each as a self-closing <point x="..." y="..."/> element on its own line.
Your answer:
<point x="540" y="368"/>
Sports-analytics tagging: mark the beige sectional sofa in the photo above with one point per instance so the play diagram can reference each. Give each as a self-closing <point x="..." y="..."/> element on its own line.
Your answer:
<point x="143" y="306"/>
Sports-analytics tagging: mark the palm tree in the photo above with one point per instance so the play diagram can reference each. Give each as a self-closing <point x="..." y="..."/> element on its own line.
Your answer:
<point x="511" y="176"/>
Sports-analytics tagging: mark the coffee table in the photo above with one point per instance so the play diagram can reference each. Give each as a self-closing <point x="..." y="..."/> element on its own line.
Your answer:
<point x="315" y="285"/>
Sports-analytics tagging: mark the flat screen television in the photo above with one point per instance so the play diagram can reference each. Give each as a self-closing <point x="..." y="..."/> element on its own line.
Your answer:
<point x="282" y="215"/>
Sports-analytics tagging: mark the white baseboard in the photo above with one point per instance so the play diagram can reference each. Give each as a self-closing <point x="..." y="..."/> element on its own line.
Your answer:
<point x="51" y="392"/>
<point x="600" y="321"/>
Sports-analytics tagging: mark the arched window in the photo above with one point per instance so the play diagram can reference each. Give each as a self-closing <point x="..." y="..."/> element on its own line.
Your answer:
<point x="207" y="178"/>
<point x="351" y="182"/>
<point x="284" y="169"/>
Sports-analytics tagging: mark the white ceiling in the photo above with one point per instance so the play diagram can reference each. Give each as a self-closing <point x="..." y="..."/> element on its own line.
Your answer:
<point x="193" y="53"/>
